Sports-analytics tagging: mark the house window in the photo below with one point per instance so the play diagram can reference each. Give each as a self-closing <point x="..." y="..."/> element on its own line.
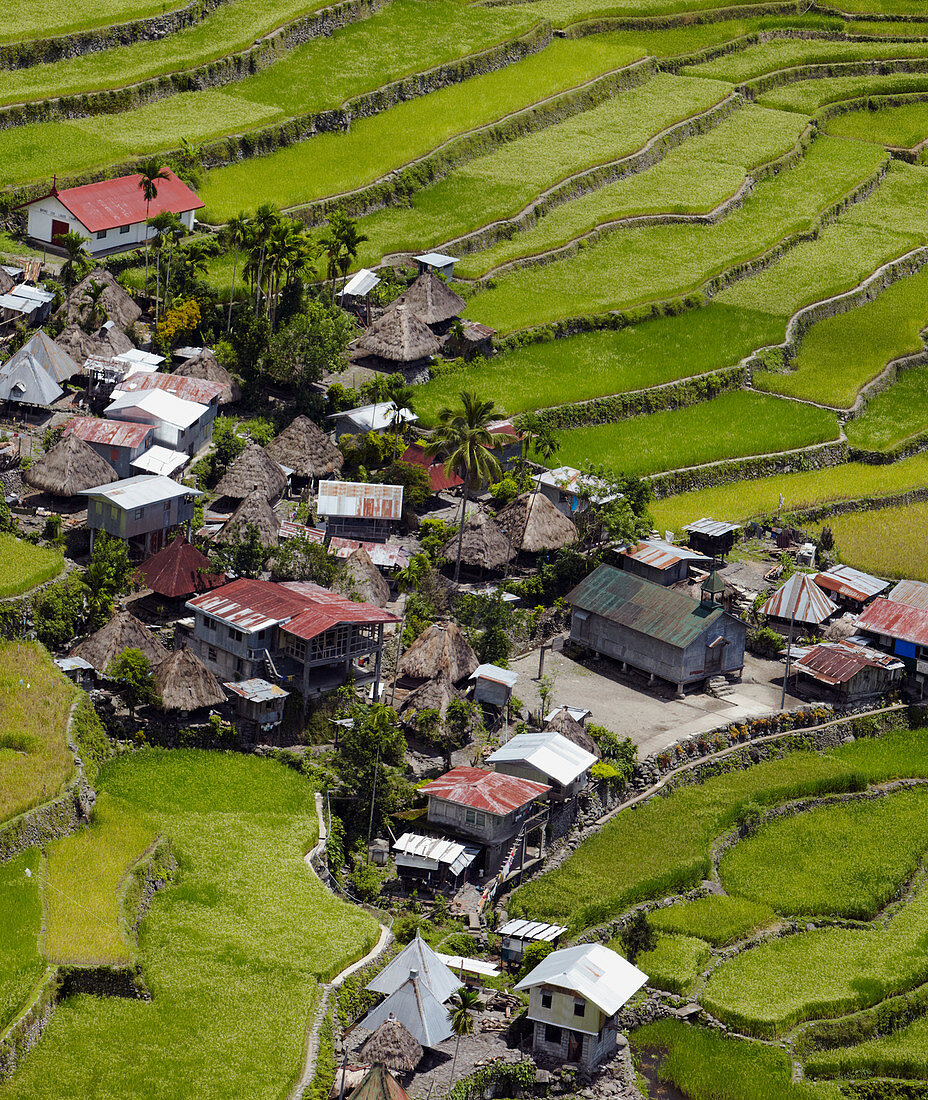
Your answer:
<point x="124" y="229"/>
<point x="296" y="648"/>
<point x="579" y="1008"/>
<point x="101" y="234"/>
<point x="235" y="635"/>
<point x="138" y="513"/>
<point x="167" y="507"/>
<point x="553" y="1035"/>
<point x="474" y="817"/>
<point x="239" y="664"/>
<point x="546" y="1000"/>
<point x="211" y="653"/>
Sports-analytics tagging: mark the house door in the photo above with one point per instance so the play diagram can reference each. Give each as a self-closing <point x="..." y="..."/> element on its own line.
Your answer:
<point x="59" y="229"/>
<point x="574" y="1046"/>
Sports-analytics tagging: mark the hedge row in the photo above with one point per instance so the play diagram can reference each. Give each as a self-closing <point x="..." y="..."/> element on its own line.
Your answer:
<point x="883" y="1019"/>
<point x="621" y="406"/>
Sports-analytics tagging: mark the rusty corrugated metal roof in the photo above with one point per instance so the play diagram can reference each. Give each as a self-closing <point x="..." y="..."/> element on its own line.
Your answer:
<point x="715" y="528"/>
<point x="643" y="606"/>
<point x="360" y="500"/>
<point x="112" y="433"/>
<point x="852" y="583"/>
<point x="291" y="530"/>
<point x="837" y="662"/>
<point x="913" y="593"/>
<point x="491" y="792"/>
<point x="892" y="619"/>
<point x="800" y="599"/>
<point x="200" y="390"/>
<point x="661" y="555"/>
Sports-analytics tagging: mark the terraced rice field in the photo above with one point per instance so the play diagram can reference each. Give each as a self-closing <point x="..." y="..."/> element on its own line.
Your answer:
<point x="894" y="417"/>
<point x="889" y="542"/>
<point x="902" y="127"/>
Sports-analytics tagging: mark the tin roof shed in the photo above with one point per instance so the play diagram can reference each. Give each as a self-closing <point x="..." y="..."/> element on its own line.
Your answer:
<point x="357" y="500"/>
<point x="801" y="599"/>
<point x="842" y="580"/>
<point x="549" y="753"/>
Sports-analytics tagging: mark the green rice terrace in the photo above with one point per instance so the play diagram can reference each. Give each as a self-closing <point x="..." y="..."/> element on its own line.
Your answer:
<point x="699" y="232"/>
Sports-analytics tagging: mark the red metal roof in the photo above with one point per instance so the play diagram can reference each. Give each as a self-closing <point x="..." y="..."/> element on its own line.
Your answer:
<point x="111" y="203"/>
<point x="895" y="620"/>
<point x="325" y="609"/>
<point x="482" y="790"/>
<point x="113" y="433"/>
<point x="178" y="570"/>
<point x="913" y="593"/>
<point x="415" y="455"/>
<point x="838" y="662"/>
<point x="851" y="583"/>
<point x="188" y="388"/>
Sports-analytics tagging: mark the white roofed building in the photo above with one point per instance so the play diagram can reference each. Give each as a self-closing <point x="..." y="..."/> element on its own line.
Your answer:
<point x="371" y="418"/>
<point x="417" y="1009"/>
<point x="518" y="934"/>
<point x="433" y="860"/>
<point x="416" y="957"/>
<point x="573" y="491"/>
<point x="143" y="510"/>
<point x="178" y="424"/>
<point x="574" y="996"/>
<point x="546" y="757"/>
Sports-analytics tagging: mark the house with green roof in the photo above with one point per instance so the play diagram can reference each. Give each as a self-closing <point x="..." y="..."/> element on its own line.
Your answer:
<point x="659" y="631"/>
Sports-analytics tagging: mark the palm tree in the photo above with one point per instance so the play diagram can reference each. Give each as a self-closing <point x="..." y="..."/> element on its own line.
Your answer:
<point x="72" y="270"/>
<point x="163" y="223"/>
<point x="462" y="1006"/>
<point x="266" y="217"/>
<point x="331" y="245"/>
<point x="401" y="397"/>
<point x="347" y="230"/>
<point x="462" y="434"/>
<point x="93" y="296"/>
<point x="234" y="233"/>
<point x="150" y="172"/>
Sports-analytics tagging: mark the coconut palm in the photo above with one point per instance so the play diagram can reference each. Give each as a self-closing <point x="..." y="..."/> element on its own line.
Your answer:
<point x="331" y="248"/>
<point x="400" y="397"/>
<point x="462" y="1005"/>
<point x="464" y="437"/>
<point x="167" y="226"/>
<point x="72" y="270"/>
<point x="266" y="217"/>
<point x="93" y="298"/>
<point x="150" y="173"/>
<point x="234" y="233"/>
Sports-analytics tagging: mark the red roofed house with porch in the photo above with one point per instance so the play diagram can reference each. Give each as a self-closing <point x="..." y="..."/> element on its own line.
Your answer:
<point x="503" y="813"/>
<point x="900" y="629"/>
<point x="111" y="214"/>
<point x="118" y="441"/>
<point x="295" y="632"/>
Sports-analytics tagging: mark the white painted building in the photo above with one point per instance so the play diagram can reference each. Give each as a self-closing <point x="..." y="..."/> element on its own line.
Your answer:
<point x="179" y="425"/>
<point x="111" y="214"/>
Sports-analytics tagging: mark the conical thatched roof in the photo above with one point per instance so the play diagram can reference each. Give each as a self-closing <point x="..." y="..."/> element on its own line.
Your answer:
<point x="56" y="361"/>
<point x="6" y="282"/>
<point x="431" y="299"/>
<point x="433" y="695"/>
<point x="305" y="448"/>
<point x="68" y="468"/>
<point x="123" y="631"/>
<point x="441" y="648"/>
<point x="484" y="544"/>
<point x="392" y="1046"/>
<point x="534" y="524"/>
<point x="363" y="579"/>
<point x="567" y="726"/>
<point x="185" y="683"/>
<point x="255" y="509"/>
<point x="205" y="365"/>
<point x="400" y="335"/>
<point x="253" y="471"/>
<point x="117" y="303"/>
<point x="104" y="343"/>
<point x="379" y="1084"/>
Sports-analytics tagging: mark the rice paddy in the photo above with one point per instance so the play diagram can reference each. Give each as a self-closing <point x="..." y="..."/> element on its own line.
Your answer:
<point x="902" y="1054"/>
<point x="21" y="965"/>
<point x="807" y="96"/>
<point x="673" y="964"/>
<point x="895" y="416"/>
<point x="25" y="566"/>
<point x="903" y="127"/>
<point x="718" y="919"/>
<point x="889" y="542"/>
<point x="19" y="19"/>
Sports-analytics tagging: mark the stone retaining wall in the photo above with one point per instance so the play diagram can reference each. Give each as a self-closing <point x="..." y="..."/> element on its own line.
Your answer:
<point x="823" y="71"/>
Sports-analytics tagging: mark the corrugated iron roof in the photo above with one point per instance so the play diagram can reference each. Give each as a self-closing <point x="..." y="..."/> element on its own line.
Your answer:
<point x="291" y="530"/>
<point x="482" y="790"/>
<point x="715" y="528"/>
<point x="661" y="555"/>
<point x="116" y="202"/>
<point x="160" y="460"/>
<point x="495" y="674"/>
<point x="892" y="619"/>
<point x="199" y="390"/>
<point x="418" y="1010"/>
<point x="439" y="480"/>
<point x="592" y="970"/>
<point x="417" y="956"/>
<point x="164" y="406"/>
<point x="913" y="593"/>
<point x="852" y="583"/>
<point x="360" y="500"/>
<point x="801" y="599"/>
<point x="548" y="752"/>
<point x="360" y="284"/>
<point x="437" y="850"/>
<point x="438" y="259"/>
<point x="179" y="570"/>
<point x="531" y="930"/>
<point x="837" y="662"/>
<point x="136" y="492"/>
<point x="643" y="606"/>
<point x="374" y="418"/>
<point x="476" y="332"/>
<point x="385" y="555"/>
<point x="257" y="690"/>
<point x="112" y="433"/>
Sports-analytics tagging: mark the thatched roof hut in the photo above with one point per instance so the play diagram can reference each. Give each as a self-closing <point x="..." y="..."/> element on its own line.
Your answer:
<point x="364" y="580"/>
<point x="205" y="365"/>
<point x="567" y="726"/>
<point x="432" y="695"/>
<point x="304" y="448"/>
<point x="484" y="544"/>
<point x="379" y="1084"/>
<point x="118" y="304"/>
<point x="440" y="648"/>
<point x="400" y="337"/>
<point x="431" y="300"/>
<point x="123" y="631"/>
<point x="56" y="361"/>
<point x="185" y="683"/>
<point x="255" y="509"/>
<point x="254" y="471"/>
<point x="104" y="343"/>
<point x="534" y="524"/>
<point x="68" y="468"/>
<point x="392" y="1046"/>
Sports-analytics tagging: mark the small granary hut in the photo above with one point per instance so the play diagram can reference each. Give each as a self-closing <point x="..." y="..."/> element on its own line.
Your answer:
<point x="440" y="649"/>
<point x="535" y="524"/>
<point x="433" y="695"/>
<point x="432" y="301"/>
<point x="185" y="683"/>
<point x="400" y="337"/>
<point x="254" y="471"/>
<point x="364" y="581"/>
<point x="304" y="448"/>
<point x="379" y="1084"/>
<point x="123" y="631"/>
<point x="205" y="365"/>
<point x="55" y="360"/>
<point x="70" y="467"/>
<point x="484" y="545"/>
<point x="254" y="509"/>
<point x="179" y="570"/>
<point x="567" y="726"/>
<point x="105" y="343"/>
<point x="392" y="1046"/>
<point x="118" y="304"/>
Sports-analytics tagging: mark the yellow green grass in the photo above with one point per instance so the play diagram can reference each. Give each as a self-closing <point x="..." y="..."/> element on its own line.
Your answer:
<point x="718" y="919"/>
<point x="733" y="425"/>
<point x="673" y="964"/>
<point x="878" y="331"/>
<point x="889" y="542"/>
<point x="21" y="965"/>
<point x="893" y="416"/>
<point x="20" y="20"/>
<point x="806" y="96"/>
<point x="903" y="1054"/>
<point x="85" y="871"/>
<point x="24" y="566"/>
<point x="759" y="497"/>
<point x="35" y="698"/>
<point x="904" y="126"/>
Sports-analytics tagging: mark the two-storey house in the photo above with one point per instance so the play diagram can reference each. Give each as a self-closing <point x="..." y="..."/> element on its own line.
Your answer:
<point x="574" y="995"/>
<point x="144" y="510"/>
<point x="546" y="757"/>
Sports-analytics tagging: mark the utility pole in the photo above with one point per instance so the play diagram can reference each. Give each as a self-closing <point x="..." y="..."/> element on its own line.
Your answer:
<point x="370" y="824"/>
<point x="789" y="646"/>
